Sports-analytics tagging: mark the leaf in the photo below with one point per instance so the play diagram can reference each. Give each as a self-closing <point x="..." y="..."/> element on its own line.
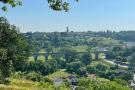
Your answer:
<point x="4" y="8"/>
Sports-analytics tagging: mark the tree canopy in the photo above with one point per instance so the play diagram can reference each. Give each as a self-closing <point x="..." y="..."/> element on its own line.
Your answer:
<point x="57" y="5"/>
<point x="13" y="47"/>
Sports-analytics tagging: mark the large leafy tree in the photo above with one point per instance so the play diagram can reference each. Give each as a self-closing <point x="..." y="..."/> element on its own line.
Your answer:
<point x="118" y="59"/>
<point x="132" y="59"/>
<point x="13" y="47"/>
<point x="57" y="5"/>
<point x="86" y="59"/>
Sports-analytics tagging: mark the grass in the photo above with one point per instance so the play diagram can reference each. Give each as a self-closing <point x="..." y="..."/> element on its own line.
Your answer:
<point x="80" y="48"/>
<point x="94" y="63"/>
<point x="42" y="51"/>
<point x="106" y="63"/>
<point x="17" y="84"/>
<point x="102" y="79"/>
<point x="108" y="41"/>
<point x="61" y="74"/>
<point x="21" y="85"/>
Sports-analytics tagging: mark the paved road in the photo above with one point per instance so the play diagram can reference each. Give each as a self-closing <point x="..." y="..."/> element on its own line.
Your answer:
<point x="112" y="62"/>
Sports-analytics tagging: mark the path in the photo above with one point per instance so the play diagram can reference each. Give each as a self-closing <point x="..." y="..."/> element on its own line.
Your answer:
<point x="112" y="62"/>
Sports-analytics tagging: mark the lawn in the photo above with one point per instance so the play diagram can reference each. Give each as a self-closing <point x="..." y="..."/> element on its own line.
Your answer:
<point x="94" y="63"/>
<point x="58" y="74"/>
<point x="80" y="48"/>
<point x="17" y="84"/>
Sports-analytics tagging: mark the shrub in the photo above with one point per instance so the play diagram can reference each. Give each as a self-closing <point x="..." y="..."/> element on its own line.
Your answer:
<point x="34" y="76"/>
<point x="91" y="69"/>
<point x="101" y="67"/>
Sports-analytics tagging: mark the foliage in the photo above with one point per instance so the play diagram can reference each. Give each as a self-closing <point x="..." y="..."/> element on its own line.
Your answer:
<point x="120" y="81"/>
<point x="101" y="67"/>
<point x="89" y="84"/>
<point x="110" y="55"/>
<point x="57" y="74"/>
<point x="126" y="76"/>
<point x="86" y="59"/>
<point x="13" y="46"/>
<point x="12" y="3"/>
<point x="33" y="76"/>
<point x="82" y="71"/>
<point x="91" y="70"/>
<point x="17" y="84"/>
<point x="44" y="68"/>
<point x="56" y="5"/>
<point x="69" y="54"/>
<point x="5" y="68"/>
<point x="132" y="59"/>
<point x="73" y="66"/>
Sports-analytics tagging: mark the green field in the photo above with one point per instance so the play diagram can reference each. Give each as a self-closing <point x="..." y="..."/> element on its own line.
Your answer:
<point x="17" y="84"/>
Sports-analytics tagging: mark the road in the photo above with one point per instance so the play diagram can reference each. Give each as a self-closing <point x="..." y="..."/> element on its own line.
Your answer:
<point x="112" y="62"/>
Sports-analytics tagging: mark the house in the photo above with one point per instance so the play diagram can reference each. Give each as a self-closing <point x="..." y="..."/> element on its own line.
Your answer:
<point x="72" y="80"/>
<point x="92" y="76"/>
<point x="58" y="81"/>
<point x="132" y="84"/>
<point x="134" y="77"/>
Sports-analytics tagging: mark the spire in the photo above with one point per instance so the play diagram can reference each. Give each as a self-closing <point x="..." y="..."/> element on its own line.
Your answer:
<point x="67" y="29"/>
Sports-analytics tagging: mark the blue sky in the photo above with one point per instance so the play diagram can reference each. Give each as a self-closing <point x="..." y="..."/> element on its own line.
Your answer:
<point x="95" y="15"/>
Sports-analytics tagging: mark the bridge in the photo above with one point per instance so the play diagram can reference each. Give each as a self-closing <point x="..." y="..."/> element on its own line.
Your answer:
<point x="96" y="53"/>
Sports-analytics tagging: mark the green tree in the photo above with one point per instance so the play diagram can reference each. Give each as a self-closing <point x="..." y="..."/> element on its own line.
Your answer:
<point x="101" y="67"/>
<point x="124" y="60"/>
<point x="110" y="55"/>
<point x="73" y="66"/>
<point x="126" y="76"/>
<point x="89" y="84"/>
<point x="120" y="81"/>
<point x="86" y="59"/>
<point x="91" y="69"/>
<point x="117" y="48"/>
<point x="70" y="55"/>
<point x="13" y="46"/>
<point x="49" y="49"/>
<point x="89" y="49"/>
<point x="12" y="3"/>
<point x="5" y="65"/>
<point x="132" y="59"/>
<point x="82" y="71"/>
<point x="57" y="5"/>
<point x="118" y="59"/>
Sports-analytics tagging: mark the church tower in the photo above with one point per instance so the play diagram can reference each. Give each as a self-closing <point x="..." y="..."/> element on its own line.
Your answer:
<point x="67" y="29"/>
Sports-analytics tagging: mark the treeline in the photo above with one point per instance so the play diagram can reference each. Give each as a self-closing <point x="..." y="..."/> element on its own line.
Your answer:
<point x="64" y="39"/>
<point x="122" y="35"/>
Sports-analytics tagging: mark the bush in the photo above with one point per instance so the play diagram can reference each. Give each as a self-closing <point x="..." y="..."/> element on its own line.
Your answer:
<point x="126" y="76"/>
<point x="18" y="75"/>
<point x="81" y="71"/>
<point x="88" y="84"/>
<point x="114" y="67"/>
<point x="34" y="76"/>
<point x="91" y="70"/>
<point x="101" y="67"/>
<point x="120" y="81"/>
